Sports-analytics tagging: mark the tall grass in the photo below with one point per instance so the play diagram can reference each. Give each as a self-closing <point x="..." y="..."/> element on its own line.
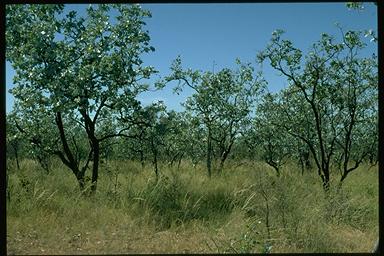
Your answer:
<point x="245" y="209"/>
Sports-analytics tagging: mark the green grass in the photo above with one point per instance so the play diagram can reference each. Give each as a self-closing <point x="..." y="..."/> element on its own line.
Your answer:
<point x="185" y="212"/>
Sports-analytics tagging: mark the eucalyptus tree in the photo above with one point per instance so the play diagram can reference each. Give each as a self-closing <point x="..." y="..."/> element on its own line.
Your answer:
<point x="184" y="138"/>
<point x="294" y="116"/>
<point x="335" y="89"/>
<point x="149" y="133"/>
<point x="275" y="144"/>
<point x="157" y="127"/>
<point x="134" y="147"/>
<point x="175" y="138"/>
<point x="109" y="147"/>
<point x="221" y="102"/>
<point x="267" y="137"/>
<point x="357" y="80"/>
<point x="191" y="138"/>
<point x="73" y="67"/>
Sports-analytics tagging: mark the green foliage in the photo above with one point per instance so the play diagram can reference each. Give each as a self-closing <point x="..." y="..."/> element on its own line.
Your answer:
<point x="74" y="73"/>
<point x="221" y="105"/>
<point x="330" y="98"/>
<point x="355" y="5"/>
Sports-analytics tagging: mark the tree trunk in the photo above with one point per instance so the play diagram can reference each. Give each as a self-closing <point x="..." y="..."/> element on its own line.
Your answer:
<point x="142" y="159"/>
<point x="308" y="164"/>
<point x="80" y="180"/>
<point x="43" y="163"/>
<point x="274" y="166"/>
<point x="180" y="158"/>
<point x="70" y="161"/>
<point x="209" y="160"/>
<point x="155" y="166"/>
<point x="221" y="165"/>
<point x="306" y="160"/>
<point x="224" y="157"/>
<point x="302" y="165"/>
<point x="16" y="156"/>
<point x="154" y="152"/>
<point x="305" y="163"/>
<point x="326" y="178"/>
<point x="343" y="176"/>
<point x="95" y="167"/>
<point x="170" y="164"/>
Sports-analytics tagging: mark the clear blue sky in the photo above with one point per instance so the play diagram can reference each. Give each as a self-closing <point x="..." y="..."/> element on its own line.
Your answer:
<point x="207" y="33"/>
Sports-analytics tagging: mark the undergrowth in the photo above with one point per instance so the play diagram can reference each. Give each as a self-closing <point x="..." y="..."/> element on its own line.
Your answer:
<point x="246" y="209"/>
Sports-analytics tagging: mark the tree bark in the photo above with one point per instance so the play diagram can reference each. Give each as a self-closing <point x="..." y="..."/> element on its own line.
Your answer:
<point x="326" y="184"/>
<point x="81" y="180"/>
<point x="95" y="167"/>
<point x="180" y="158"/>
<point x="209" y="152"/>
<point x="15" y="149"/>
<point x="224" y="156"/>
<point x="154" y="152"/>
<point x="70" y="161"/>
<point x="142" y="159"/>
<point x="274" y="166"/>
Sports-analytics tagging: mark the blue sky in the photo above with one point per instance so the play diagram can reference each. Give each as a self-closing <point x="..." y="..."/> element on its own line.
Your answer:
<point x="204" y="34"/>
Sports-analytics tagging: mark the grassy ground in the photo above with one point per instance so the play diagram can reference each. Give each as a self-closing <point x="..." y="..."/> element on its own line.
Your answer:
<point x="246" y="209"/>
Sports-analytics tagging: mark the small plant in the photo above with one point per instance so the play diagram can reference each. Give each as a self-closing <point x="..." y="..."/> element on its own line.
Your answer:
<point x="247" y="243"/>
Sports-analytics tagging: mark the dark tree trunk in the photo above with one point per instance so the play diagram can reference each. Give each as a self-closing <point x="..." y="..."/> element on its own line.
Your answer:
<point x="154" y="152"/>
<point x="209" y="152"/>
<point x="306" y="160"/>
<point x="43" y="163"/>
<point x="274" y="166"/>
<point x="224" y="157"/>
<point x="142" y="159"/>
<point x="95" y="167"/>
<point x="95" y="146"/>
<point x="343" y="176"/>
<point x="326" y="184"/>
<point x="308" y="164"/>
<point x="15" y="149"/>
<point x="81" y="180"/>
<point x="302" y="165"/>
<point x="180" y="158"/>
<point x="67" y="158"/>
<point x="173" y="159"/>
<point x="221" y="165"/>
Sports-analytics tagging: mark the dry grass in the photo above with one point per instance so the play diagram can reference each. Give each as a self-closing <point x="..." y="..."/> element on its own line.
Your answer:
<point x="188" y="213"/>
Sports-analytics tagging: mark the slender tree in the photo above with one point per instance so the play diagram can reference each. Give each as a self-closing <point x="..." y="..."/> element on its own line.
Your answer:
<point x="222" y="102"/>
<point x="334" y="91"/>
